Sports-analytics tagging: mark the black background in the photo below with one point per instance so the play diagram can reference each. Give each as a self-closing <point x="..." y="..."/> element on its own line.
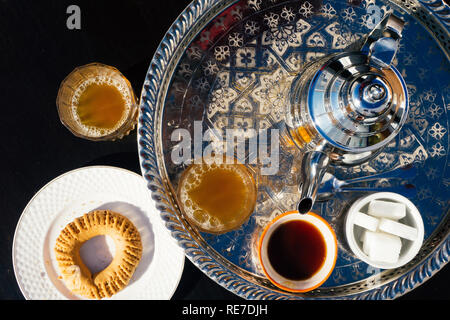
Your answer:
<point x="36" y="52"/>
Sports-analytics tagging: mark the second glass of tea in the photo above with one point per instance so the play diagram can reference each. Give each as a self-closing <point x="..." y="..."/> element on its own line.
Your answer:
<point x="97" y="102"/>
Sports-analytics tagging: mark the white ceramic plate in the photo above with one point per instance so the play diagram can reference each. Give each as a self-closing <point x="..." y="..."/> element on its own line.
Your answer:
<point x="73" y="194"/>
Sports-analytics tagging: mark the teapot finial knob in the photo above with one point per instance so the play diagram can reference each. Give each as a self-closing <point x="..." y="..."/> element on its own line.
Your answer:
<point x="374" y="92"/>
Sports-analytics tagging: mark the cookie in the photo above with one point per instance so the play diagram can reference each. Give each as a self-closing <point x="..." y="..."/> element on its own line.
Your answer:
<point x="116" y="276"/>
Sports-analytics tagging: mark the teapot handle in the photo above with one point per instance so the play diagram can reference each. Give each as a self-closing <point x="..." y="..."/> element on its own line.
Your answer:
<point x="382" y="43"/>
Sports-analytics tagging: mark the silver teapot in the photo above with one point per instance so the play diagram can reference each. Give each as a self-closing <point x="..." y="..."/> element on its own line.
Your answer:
<point x="344" y="108"/>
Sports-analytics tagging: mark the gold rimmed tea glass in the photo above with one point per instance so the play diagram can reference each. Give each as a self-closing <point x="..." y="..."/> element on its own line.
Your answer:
<point x="104" y="83"/>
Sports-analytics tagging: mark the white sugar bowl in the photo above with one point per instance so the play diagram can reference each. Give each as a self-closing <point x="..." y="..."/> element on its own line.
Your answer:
<point x="384" y="229"/>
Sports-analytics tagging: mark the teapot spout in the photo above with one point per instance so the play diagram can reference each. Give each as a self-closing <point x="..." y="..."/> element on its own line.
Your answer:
<point x="314" y="166"/>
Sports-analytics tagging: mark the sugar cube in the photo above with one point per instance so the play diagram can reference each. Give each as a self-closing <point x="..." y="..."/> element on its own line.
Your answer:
<point x="387" y="209"/>
<point x="367" y="240"/>
<point x="365" y="221"/>
<point x="398" y="229"/>
<point x="381" y="247"/>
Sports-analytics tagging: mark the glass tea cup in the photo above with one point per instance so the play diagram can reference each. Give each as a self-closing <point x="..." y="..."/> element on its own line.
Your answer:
<point x="298" y="252"/>
<point x="217" y="194"/>
<point x="96" y="102"/>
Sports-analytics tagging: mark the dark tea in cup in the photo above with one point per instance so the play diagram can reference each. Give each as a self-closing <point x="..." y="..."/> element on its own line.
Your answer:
<point x="298" y="252"/>
<point x="296" y="249"/>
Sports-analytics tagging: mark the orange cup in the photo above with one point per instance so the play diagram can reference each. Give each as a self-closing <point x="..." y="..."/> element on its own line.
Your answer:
<point x="328" y="248"/>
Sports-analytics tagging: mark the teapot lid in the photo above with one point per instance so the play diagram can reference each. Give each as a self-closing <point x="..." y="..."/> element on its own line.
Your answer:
<point x="358" y="101"/>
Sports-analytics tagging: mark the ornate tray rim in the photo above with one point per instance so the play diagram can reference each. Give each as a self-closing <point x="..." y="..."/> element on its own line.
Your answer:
<point x="148" y="144"/>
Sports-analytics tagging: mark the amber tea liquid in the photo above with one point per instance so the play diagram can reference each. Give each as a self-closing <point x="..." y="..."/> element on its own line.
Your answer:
<point x="100" y="105"/>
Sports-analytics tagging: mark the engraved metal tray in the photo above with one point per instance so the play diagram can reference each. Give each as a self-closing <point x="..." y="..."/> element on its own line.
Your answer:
<point x="229" y="63"/>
